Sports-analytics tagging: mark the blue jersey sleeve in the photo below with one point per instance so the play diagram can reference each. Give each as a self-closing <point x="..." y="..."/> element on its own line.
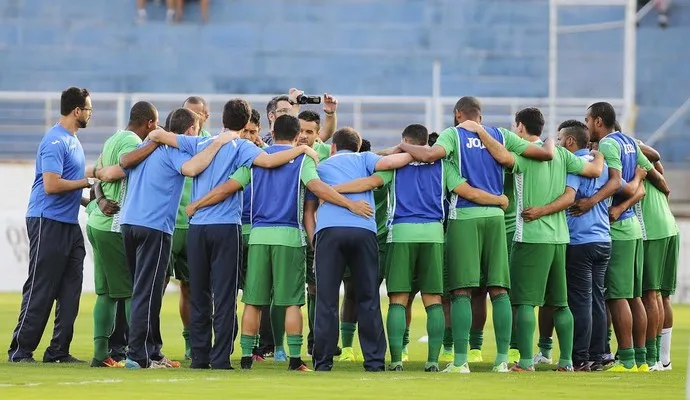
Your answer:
<point x="370" y="160"/>
<point x="53" y="156"/>
<point x="178" y="158"/>
<point x="247" y="153"/>
<point x="573" y="181"/>
<point x="188" y="144"/>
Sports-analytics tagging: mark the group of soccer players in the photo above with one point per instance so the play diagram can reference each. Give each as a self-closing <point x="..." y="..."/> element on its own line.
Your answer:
<point x="585" y="234"/>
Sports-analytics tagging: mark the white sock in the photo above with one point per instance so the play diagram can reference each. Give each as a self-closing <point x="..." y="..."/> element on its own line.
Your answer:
<point x="665" y="349"/>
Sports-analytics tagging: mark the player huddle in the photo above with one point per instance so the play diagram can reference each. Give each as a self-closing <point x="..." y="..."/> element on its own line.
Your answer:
<point x="586" y="235"/>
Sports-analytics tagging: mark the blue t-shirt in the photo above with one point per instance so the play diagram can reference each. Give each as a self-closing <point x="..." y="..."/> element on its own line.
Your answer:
<point x="593" y="226"/>
<point x="61" y="153"/>
<point x="230" y="157"/>
<point x="154" y="187"/>
<point x="345" y="166"/>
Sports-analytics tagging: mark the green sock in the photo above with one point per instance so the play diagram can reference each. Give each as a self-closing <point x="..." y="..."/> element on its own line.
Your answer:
<point x="347" y="333"/>
<point x="640" y="355"/>
<point x="185" y="336"/>
<point x="503" y="325"/>
<point x="448" y="338"/>
<point x="476" y="339"/>
<point x="278" y="327"/>
<point x="294" y="343"/>
<point x="395" y="325"/>
<point x="627" y="357"/>
<point x="435" y="325"/>
<point x="513" y="337"/>
<point x="650" y="344"/>
<point x="406" y="336"/>
<point x="565" y="329"/>
<point x="526" y="324"/>
<point x="103" y="325"/>
<point x="247" y="343"/>
<point x="658" y="348"/>
<point x="545" y="345"/>
<point x="311" y="308"/>
<point x="461" y="320"/>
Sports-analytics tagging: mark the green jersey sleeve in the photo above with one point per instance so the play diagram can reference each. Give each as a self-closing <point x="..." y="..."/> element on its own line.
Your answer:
<point x="642" y="160"/>
<point x="452" y="176"/>
<point x="308" y="172"/>
<point x="520" y="164"/>
<point x="129" y="143"/>
<point x="513" y="142"/>
<point x="573" y="163"/>
<point x="612" y="153"/>
<point x="386" y="176"/>
<point x="242" y="176"/>
<point x="448" y="139"/>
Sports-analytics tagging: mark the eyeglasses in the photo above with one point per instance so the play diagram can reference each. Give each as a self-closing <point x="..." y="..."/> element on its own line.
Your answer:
<point x="89" y="109"/>
<point x="283" y="110"/>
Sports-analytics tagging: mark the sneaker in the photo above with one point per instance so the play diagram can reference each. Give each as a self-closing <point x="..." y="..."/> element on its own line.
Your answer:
<point x="447" y="356"/>
<point x="301" y="368"/>
<point x="68" y="359"/>
<point x="157" y="364"/>
<point x="643" y="368"/>
<point x="656" y="367"/>
<point x="475" y="356"/>
<point x="619" y="367"/>
<point x="131" y="364"/>
<point x="348" y="354"/>
<point x="246" y="362"/>
<point x="501" y="368"/>
<point x="596" y="367"/>
<point x="463" y="369"/>
<point x="107" y="363"/>
<point x="666" y="367"/>
<point x="513" y="356"/>
<point x="338" y="351"/>
<point x="518" y="368"/>
<point x="608" y="359"/>
<point x="396" y="367"/>
<point x="169" y="363"/>
<point x="582" y="367"/>
<point x="279" y="356"/>
<point x="567" y="368"/>
<point x="22" y="360"/>
<point x="431" y="368"/>
<point x="540" y="359"/>
<point x="405" y="355"/>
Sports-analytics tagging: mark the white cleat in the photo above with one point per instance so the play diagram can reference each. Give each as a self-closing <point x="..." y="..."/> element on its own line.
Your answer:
<point x="667" y="367"/>
<point x="656" y="367"/>
<point x="540" y="359"/>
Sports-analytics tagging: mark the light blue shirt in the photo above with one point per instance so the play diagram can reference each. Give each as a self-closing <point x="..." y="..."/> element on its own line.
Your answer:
<point x="593" y="226"/>
<point x="154" y="187"/>
<point x="345" y="166"/>
<point x="61" y="153"/>
<point x="230" y="157"/>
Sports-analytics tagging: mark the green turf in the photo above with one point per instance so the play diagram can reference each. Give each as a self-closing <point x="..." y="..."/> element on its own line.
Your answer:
<point x="268" y="380"/>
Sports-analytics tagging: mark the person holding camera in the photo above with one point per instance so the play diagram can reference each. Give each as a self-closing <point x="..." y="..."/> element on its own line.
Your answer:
<point x="290" y="104"/>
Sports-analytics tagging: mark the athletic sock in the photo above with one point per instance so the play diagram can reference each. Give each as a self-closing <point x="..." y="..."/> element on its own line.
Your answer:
<point x="526" y="324"/>
<point x="640" y="355"/>
<point x="545" y="346"/>
<point x="626" y="357"/>
<point x="435" y="325"/>
<point x="503" y="325"/>
<point x="347" y="333"/>
<point x="476" y="339"/>
<point x="665" y="353"/>
<point x="278" y="327"/>
<point x="658" y="348"/>
<point x="565" y="330"/>
<point x="294" y="343"/>
<point x="461" y="320"/>
<point x="650" y="344"/>
<point x="406" y="337"/>
<point x="247" y="343"/>
<point x="395" y="325"/>
<point x="103" y="325"/>
<point x="448" y="338"/>
<point x="187" y="344"/>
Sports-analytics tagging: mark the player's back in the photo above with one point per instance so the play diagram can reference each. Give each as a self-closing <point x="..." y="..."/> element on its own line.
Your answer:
<point x="594" y="224"/>
<point x="627" y="149"/>
<point x="419" y="193"/>
<point x="477" y="165"/>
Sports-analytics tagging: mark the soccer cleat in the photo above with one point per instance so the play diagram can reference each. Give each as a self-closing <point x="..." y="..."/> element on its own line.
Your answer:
<point x="157" y="365"/>
<point x="431" y="367"/>
<point x="296" y="364"/>
<point x="475" y="356"/>
<point x="169" y="363"/>
<point x="447" y="356"/>
<point x="27" y="360"/>
<point x="582" y="367"/>
<point x="280" y="356"/>
<point x="608" y="360"/>
<point x="131" y="364"/>
<point x="567" y="368"/>
<point x="666" y="367"/>
<point x="463" y="369"/>
<point x="348" y="354"/>
<point x="68" y="359"/>
<point x="518" y="368"/>
<point x="540" y="359"/>
<point x="501" y="368"/>
<point x="643" y="368"/>
<point x="619" y="367"/>
<point x="107" y="363"/>
<point x="596" y="367"/>
<point x="246" y="362"/>
<point x="302" y="368"/>
<point x="656" y="367"/>
<point x="405" y="355"/>
<point x="396" y="367"/>
<point x="513" y="356"/>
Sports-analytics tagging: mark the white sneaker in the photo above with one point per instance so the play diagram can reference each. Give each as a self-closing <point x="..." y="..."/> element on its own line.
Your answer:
<point x="463" y="369"/>
<point x="157" y="365"/>
<point x="667" y="367"/>
<point x="540" y="359"/>
<point x="501" y="368"/>
<point x="656" y="367"/>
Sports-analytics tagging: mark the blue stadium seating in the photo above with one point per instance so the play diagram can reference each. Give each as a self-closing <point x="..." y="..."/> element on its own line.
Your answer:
<point x="355" y="47"/>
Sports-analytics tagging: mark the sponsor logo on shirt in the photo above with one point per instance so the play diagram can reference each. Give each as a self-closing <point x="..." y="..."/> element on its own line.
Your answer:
<point x="628" y="148"/>
<point x="474" y="143"/>
<point x="55" y="142"/>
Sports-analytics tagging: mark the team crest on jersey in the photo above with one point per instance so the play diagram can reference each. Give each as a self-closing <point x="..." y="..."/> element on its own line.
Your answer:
<point x="473" y="143"/>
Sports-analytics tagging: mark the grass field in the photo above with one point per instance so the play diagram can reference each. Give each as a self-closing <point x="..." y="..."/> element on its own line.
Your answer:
<point x="269" y="380"/>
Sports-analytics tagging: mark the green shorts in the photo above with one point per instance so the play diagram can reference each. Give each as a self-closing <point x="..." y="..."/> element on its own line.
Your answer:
<point x="624" y="274"/>
<point x="177" y="264"/>
<point x="412" y="266"/>
<point x="309" y="267"/>
<point x="655" y="255"/>
<point x="111" y="273"/>
<point x="275" y="272"/>
<point x="476" y="251"/>
<point x="509" y="243"/>
<point x="670" y="267"/>
<point x="537" y="275"/>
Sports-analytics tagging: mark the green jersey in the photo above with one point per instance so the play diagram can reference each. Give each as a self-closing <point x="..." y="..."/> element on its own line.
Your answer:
<point x="90" y="207"/>
<point x="382" y="201"/>
<point x="182" y="221"/>
<point x="509" y="191"/>
<point x="655" y="216"/>
<point x="122" y="142"/>
<point x="540" y="183"/>
<point x="322" y="149"/>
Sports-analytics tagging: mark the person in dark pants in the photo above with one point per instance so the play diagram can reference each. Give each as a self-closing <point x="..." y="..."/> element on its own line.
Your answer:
<point x="148" y="219"/>
<point x="343" y="238"/>
<point x="56" y="243"/>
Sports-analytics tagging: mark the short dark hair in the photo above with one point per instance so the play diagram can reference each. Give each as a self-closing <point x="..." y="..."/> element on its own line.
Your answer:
<point x="141" y="113"/>
<point x="285" y="127"/>
<point x="72" y="98"/>
<point x="180" y="120"/>
<point x="417" y="134"/>
<point x="433" y="137"/>
<point x="605" y="111"/>
<point x="272" y="105"/>
<point x="577" y="130"/>
<point x="195" y="100"/>
<point x="365" y="146"/>
<point x="347" y="138"/>
<point x="255" y="118"/>
<point x="469" y="106"/>
<point x="236" y="113"/>
<point x="310" y="116"/>
<point x="532" y="119"/>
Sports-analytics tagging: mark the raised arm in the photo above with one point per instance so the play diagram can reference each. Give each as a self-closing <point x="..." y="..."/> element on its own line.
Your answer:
<point x="328" y="194"/>
<point x="479" y="196"/>
<point x="610" y="187"/>
<point x="616" y="211"/>
<point x="540" y="153"/>
<point x="496" y="149"/>
<point x="652" y="155"/>
<point x="389" y="151"/>
<point x="136" y="157"/>
<point x="330" y="124"/>
<point x="423" y="153"/>
<point x="360" y="185"/>
<point x="274" y="160"/>
<point x="393" y="161"/>
<point x="561" y="203"/>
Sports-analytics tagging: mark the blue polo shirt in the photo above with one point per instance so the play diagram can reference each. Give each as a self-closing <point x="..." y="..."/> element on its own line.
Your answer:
<point x="593" y="226"/>
<point x="61" y="153"/>
<point x="154" y="187"/>
<point x="345" y="166"/>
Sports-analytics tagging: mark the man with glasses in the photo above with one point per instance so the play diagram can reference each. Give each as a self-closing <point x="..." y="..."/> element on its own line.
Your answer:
<point x="287" y="105"/>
